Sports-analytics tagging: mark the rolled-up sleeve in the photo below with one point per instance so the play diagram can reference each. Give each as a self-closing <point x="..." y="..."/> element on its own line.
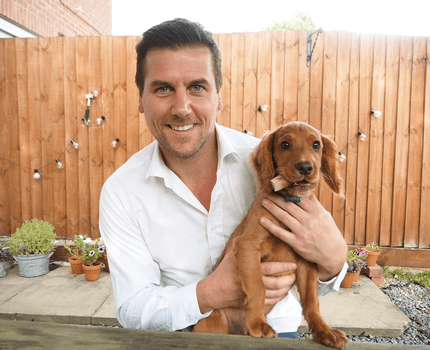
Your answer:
<point x="334" y="284"/>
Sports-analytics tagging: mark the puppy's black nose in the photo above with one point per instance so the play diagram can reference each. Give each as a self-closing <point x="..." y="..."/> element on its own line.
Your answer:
<point x="305" y="168"/>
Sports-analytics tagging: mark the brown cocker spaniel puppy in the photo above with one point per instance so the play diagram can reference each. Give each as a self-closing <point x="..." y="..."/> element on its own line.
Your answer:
<point x="299" y="155"/>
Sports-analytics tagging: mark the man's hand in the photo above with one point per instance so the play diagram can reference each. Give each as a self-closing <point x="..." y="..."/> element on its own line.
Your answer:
<point x="277" y="288"/>
<point x="222" y="289"/>
<point x="314" y="234"/>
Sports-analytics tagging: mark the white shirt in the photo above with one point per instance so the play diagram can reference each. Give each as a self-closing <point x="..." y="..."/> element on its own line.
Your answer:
<point x="161" y="240"/>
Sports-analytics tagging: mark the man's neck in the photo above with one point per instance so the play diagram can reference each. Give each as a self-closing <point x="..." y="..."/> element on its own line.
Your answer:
<point x="198" y="173"/>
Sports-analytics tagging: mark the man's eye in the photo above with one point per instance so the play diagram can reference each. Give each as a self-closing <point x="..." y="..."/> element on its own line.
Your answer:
<point x="197" y="88"/>
<point x="163" y="89"/>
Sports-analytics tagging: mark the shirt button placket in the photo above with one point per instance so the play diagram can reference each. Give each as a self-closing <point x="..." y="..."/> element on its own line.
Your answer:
<point x="215" y="226"/>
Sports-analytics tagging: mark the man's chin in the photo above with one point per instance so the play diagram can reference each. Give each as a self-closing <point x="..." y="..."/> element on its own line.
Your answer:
<point x="182" y="151"/>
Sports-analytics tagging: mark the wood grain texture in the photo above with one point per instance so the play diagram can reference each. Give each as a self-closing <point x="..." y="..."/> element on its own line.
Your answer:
<point x="43" y="83"/>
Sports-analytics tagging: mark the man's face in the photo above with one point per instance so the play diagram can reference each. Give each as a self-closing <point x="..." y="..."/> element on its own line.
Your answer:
<point x="180" y="100"/>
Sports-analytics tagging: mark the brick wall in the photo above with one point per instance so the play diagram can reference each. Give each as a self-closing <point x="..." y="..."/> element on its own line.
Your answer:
<point x="49" y="18"/>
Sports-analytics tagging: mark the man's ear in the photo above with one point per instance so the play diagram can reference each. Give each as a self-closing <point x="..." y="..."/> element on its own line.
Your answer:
<point x="220" y="105"/>
<point x="140" y="107"/>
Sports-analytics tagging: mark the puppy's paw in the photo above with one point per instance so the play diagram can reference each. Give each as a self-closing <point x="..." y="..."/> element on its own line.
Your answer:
<point x="259" y="329"/>
<point x="328" y="336"/>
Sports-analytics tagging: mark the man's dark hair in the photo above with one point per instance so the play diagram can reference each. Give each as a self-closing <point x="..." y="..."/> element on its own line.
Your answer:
<point x="175" y="35"/>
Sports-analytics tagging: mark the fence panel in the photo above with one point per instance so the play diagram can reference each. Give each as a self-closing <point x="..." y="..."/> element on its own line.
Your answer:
<point x="376" y="143"/>
<point x="413" y="189"/>
<point x="424" y="232"/>
<point x="43" y="83"/>
<point x="402" y="143"/>
<point x="341" y="117"/>
<point x="389" y="124"/>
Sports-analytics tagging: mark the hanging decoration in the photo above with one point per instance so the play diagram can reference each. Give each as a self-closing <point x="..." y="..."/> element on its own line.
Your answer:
<point x="91" y="97"/>
<point x="261" y="108"/>
<point x="360" y="134"/>
<point x="86" y="121"/>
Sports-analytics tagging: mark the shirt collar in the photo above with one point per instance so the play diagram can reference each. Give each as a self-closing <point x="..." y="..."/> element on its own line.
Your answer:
<point x="158" y="168"/>
<point x="225" y="147"/>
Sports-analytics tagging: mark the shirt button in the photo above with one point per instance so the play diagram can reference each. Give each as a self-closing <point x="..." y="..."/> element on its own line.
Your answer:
<point x="213" y="228"/>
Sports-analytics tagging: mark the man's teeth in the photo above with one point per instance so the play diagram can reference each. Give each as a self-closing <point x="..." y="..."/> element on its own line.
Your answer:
<point x="182" y="128"/>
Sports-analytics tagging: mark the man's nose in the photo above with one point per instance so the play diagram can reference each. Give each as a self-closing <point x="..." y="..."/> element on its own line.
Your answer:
<point x="181" y="103"/>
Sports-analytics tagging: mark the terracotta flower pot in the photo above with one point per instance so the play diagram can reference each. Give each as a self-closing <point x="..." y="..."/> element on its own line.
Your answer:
<point x="92" y="273"/>
<point x="355" y="276"/>
<point x="106" y="262"/>
<point x="350" y="278"/>
<point x="372" y="257"/>
<point x="76" y="265"/>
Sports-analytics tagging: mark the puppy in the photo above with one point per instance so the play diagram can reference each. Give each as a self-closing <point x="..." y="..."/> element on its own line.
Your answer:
<point x="298" y="155"/>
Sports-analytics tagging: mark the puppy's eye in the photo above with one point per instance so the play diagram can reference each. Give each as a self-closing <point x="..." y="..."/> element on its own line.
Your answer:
<point x="316" y="146"/>
<point x="285" y="146"/>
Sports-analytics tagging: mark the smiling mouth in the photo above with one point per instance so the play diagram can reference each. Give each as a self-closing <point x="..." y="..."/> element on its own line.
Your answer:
<point x="181" y="127"/>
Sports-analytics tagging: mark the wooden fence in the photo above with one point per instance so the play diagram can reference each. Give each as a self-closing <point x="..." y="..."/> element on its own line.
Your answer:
<point x="43" y="83"/>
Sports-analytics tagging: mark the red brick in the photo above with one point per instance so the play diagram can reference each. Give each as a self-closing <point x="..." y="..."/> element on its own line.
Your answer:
<point x="47" y="18"/>
<point x="373" y="271"/>
<point x="378" y="280"/>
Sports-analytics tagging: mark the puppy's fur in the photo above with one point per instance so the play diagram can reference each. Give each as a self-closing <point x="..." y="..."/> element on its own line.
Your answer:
<point x="301" y="155"/>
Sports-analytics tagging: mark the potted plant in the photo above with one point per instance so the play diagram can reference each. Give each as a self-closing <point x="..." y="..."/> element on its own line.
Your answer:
<point x="92" y="266"/>
<point x="31" y="246"/>
<point x="373" y="251"/>
<point x="6" y="259"/>
<point x="356" y="261"/>
<point x="76" y="250"/>
<point x="102" y="249"/>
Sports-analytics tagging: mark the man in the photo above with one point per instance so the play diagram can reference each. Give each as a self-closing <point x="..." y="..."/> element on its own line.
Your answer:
<point x="168" y="212"/>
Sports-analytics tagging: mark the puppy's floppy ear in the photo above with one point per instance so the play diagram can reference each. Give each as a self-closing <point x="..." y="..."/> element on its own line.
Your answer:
<point x="262" y="161"/>
<point x="330" y="165"/>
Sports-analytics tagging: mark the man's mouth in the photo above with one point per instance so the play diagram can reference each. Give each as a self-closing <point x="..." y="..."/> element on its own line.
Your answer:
<point x="181" y="127"/>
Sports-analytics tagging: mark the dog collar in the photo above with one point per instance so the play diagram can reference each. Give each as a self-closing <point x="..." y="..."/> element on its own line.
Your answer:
<point x="294" y="199"/>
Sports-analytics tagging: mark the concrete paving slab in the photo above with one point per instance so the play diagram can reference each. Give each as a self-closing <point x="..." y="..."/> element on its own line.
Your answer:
<point x="363" y="308"/>
<point x="13" y="284"/>
<point x="61" y="297"/>
<point x="58" y="296"/>
<point x="106" y="313"/>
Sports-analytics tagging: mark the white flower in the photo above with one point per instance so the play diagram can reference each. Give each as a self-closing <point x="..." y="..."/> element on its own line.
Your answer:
<point x="87" y="241"/>
<point x="81" y="236"/>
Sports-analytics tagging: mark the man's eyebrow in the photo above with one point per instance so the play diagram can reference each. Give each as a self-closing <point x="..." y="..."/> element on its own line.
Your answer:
<point x="158" y="83"/>
<point x="201" y="81"/>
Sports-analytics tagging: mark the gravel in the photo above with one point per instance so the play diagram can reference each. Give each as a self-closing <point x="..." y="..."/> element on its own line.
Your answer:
<point x="413" y="299"/>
